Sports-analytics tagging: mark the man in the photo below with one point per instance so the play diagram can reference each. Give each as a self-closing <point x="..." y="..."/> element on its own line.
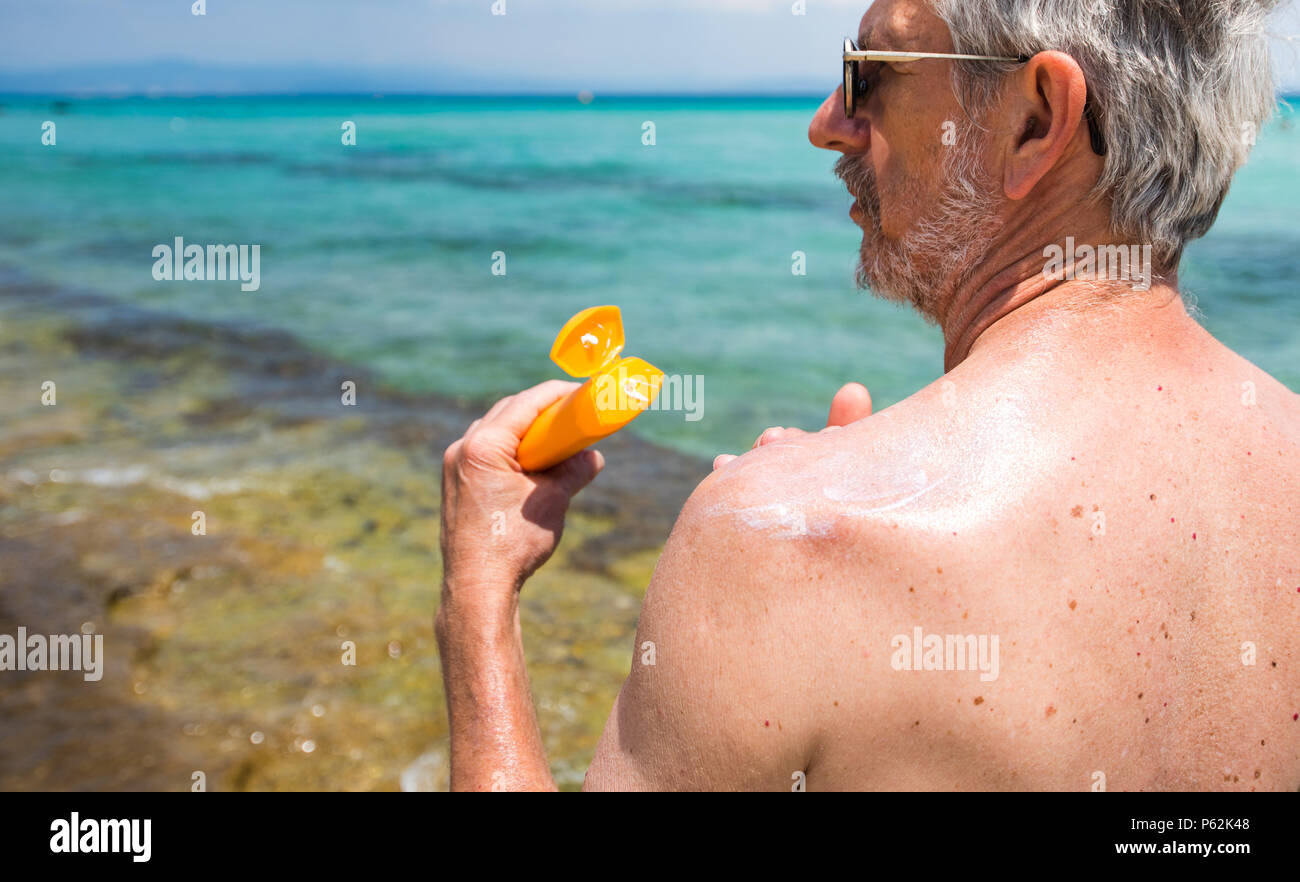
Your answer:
<point x="1072" y="563"/>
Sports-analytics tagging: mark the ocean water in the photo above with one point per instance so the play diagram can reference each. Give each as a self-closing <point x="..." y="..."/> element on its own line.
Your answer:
<point x="382" y="253"/>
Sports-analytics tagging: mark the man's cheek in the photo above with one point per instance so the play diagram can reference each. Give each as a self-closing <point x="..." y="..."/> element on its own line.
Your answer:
<point x="894" y="212"/>
<point x="903" y="201"/>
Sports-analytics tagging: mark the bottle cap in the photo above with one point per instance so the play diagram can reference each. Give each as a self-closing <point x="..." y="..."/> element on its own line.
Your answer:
<point x="589" y="341"/>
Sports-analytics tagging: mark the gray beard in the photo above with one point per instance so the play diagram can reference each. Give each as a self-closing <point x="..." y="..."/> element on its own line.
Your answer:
<point x="930" y="262"/>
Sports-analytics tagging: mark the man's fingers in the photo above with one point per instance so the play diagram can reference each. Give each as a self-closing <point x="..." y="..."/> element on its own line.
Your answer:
<point x="767" y="435"/>
<point x="776" y="433"/>
<point x="518" y="412"/>
<point x="722" y="459"/>
<point x="850" y="404"/>
<point x="578" y="470"/>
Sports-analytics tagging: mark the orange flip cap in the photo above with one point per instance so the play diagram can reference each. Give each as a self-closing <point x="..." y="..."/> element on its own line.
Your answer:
<point x="616" y="392"/>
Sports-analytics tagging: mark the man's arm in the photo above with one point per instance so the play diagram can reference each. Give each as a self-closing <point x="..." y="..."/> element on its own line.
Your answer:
<point x="499" y="524"/>
<point x="720" y="692"/>
<point x="495" y="742"/>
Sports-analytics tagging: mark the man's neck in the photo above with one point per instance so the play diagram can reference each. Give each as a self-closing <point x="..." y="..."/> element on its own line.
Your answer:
<point x="1023" y="298"/>
<point x="1014" y="274"/>
<point x="1080" y="314"/>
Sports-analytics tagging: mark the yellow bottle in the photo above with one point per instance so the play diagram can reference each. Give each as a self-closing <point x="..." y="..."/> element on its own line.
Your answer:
<point x="616" y="392"/>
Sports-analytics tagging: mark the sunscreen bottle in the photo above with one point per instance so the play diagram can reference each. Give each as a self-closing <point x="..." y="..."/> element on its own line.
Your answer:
<point x="616" y="392"/>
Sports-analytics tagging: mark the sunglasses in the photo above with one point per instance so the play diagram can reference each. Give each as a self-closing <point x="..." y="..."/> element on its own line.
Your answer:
<point x="857" y="86"/>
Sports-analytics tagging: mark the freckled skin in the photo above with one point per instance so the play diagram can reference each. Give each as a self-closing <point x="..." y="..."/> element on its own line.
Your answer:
<point x="1087" y="440"/>
<point x="756" y="625"/>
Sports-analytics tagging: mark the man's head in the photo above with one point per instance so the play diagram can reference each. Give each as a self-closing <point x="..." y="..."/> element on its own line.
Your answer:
<point x="965" y="170"/>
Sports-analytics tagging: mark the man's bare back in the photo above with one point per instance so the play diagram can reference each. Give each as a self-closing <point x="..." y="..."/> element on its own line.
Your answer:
<point x="1120" y="515"/>
<point x="1095" y="504"/>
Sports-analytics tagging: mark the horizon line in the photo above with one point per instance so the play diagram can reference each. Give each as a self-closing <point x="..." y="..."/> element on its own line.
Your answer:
<point x="399" y="93"/>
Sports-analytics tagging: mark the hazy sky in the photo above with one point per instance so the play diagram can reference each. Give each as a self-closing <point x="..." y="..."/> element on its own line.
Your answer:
<point x="459" y="45"/>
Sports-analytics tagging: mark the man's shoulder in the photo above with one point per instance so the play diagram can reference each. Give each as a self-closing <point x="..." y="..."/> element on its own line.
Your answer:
<point x="778" y="533"/>
<point x="949" y="480"/>
<point x="855" y="482"/>
<point x="778" y="572"/>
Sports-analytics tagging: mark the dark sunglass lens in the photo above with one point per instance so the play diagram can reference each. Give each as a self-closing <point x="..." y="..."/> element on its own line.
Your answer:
<point x="850" y="80"/>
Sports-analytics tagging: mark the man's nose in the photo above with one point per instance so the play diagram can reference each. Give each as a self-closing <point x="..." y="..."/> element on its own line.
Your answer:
<point x="832" y="130"/>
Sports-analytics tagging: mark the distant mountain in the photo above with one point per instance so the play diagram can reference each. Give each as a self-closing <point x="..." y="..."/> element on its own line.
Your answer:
<point x="183" y="78"/>
<point x="176" y="77"/>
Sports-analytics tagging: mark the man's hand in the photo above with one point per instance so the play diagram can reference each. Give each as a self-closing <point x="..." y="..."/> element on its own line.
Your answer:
<point x="850" y="404"/>
<point x="500" y="523"/>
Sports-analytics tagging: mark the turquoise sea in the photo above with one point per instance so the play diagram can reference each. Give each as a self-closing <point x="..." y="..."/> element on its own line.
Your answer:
<point x="382" y="253"/>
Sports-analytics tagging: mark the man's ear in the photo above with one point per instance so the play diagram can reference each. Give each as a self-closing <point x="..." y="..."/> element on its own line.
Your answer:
<point x="1045" y="113"/>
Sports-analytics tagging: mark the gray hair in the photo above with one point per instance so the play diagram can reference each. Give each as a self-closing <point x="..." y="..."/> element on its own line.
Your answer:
<point x="1180" y="89"/>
